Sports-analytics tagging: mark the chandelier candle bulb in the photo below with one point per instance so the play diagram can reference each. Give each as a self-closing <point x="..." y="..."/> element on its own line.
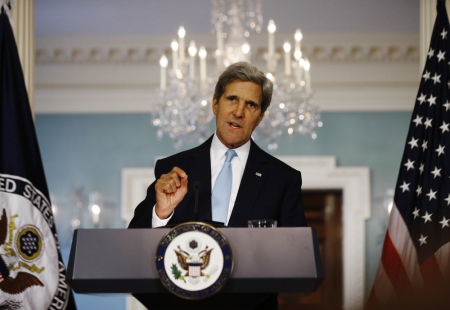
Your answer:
<point x="246" y="51"/>
<point x="181" y="34"/>
<point x="202" y="55"/>
<point x="163" y="63"/>
<point x="287" y="58"/>
<point x="297" y="53"/>
<point x="271" y="29"/>
<point x="307" y="66"/>
<point x="174" y="46"/>
<point x="301" y="68"/>
<point x="192" y="52"/>
<point x="297" y="74"/>
<point x="298" y="38"/>
<point x="298" y="57"/>
<point x="95" y="215"/>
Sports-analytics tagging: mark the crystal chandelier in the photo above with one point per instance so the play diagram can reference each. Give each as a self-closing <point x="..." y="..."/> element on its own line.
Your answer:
<point x="184" y="110"/>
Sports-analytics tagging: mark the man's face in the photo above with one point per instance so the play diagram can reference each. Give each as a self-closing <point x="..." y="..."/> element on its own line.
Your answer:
<point x="238" y="112"/>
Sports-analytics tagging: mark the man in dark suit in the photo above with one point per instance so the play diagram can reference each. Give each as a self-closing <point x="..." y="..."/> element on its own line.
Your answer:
<point x="262" y="186"/>
<point x="240" y="182"/>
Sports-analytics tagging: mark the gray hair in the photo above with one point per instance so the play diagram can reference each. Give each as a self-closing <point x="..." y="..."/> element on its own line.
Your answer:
<point x="244" y="71"/>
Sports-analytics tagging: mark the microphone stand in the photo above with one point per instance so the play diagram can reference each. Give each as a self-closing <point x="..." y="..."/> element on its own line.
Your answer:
<point x="197" y="186"/>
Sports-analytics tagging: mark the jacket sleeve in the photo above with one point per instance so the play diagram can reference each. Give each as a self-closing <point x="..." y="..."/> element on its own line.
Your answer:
<point x="292" y="213"/>
<point x="143" y="212"/>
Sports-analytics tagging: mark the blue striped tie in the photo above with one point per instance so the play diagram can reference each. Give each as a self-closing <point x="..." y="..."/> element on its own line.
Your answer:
<point x="220" y="198"/>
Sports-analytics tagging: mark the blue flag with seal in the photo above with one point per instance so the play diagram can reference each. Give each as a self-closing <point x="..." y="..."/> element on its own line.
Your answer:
<point x="32" y="272"/>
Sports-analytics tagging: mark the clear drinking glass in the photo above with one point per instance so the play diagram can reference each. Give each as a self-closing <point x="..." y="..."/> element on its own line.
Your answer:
<point x="262" y="224"/>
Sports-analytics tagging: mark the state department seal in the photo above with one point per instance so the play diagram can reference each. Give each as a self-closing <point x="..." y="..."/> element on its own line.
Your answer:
<point x="29" y="243"/>
<point x="194" y="260"/>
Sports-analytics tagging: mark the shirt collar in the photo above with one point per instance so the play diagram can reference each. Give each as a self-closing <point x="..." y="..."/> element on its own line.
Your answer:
<point x="219" y="149"/>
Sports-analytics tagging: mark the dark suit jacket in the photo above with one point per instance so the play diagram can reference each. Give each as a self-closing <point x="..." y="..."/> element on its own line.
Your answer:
<point x="276" y="194"/>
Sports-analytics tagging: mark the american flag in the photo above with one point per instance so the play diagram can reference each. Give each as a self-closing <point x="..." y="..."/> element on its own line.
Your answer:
<point x="414" y="270"/>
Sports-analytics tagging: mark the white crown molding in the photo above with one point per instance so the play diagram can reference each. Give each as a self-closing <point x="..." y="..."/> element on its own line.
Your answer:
<point x="339" y="47"/>
<point x="350" y="72"/>
<point x="318" y="172"/>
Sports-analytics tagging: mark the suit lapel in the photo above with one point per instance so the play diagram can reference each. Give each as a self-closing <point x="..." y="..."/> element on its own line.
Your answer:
<point x="201" y="171"/>
<point x="251" y="185"/>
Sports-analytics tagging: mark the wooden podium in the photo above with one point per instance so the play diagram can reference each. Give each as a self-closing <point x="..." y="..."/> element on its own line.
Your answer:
<point x="266" y="260"/>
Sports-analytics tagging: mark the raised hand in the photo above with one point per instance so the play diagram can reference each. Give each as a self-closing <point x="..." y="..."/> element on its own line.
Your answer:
<point x="170" y="190"/>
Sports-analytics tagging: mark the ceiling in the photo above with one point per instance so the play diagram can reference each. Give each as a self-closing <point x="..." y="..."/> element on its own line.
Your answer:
<point x="120" y="17"/>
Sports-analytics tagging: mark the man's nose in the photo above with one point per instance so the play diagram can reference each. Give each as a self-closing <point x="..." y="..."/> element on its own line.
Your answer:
<point x="239" y="111"/>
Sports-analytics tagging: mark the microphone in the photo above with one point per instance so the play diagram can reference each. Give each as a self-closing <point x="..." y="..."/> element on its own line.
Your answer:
<point x="197" y="186"/>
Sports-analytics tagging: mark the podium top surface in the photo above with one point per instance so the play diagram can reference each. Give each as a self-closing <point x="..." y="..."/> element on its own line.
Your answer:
<point x="258" y="253"/>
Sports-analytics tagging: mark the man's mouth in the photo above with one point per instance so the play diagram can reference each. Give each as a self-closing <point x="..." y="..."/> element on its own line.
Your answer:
<point x="234" y="125"/>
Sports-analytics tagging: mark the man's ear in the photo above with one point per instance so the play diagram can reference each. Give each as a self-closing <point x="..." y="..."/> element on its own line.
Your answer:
<point x="215" y="106"/>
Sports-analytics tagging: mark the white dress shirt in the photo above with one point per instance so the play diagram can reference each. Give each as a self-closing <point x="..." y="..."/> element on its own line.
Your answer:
<point x="218" y="155"/>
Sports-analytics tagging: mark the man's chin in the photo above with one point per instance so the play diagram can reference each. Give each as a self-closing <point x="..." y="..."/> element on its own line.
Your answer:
<point x="234" y="143"/>
<point x="232" y="138"/>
